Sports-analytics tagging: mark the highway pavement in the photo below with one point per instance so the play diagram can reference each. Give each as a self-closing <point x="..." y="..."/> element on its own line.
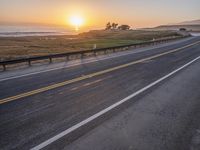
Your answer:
<point x="148" y="99"/>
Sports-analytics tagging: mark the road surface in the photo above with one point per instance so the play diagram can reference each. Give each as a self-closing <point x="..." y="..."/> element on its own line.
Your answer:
<point x="146" y="98"/>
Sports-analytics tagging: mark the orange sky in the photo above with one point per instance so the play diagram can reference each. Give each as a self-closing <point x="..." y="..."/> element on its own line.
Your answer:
<point x="137" y="13"/>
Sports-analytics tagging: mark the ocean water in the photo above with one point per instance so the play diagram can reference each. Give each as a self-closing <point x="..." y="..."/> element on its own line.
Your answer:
<point x="21" y="31"/>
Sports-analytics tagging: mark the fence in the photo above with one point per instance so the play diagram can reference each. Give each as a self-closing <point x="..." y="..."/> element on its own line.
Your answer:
<point x="84" y="53"/>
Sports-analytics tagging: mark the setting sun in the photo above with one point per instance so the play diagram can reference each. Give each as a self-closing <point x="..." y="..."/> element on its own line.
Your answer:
<point x="76" y="21"/>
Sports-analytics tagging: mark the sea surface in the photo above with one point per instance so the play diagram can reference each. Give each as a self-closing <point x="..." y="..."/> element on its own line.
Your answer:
<point x="21" y="31"/>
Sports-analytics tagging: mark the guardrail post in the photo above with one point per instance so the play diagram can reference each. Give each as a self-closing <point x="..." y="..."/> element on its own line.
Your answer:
<point x="67" y="58"/>
<point x="82" y="55"/>
<point x="95" y="54"/>
<point x="4" y="67"/>
<point x="50" y="60"/>
<point x="29" y="62"/>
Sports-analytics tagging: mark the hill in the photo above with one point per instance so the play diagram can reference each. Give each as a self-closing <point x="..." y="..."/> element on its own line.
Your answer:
<point x="193" y="22"/>
<point x="193" y="25"/>
<point x="194" y="28"/>
<point x="22" y="47"/>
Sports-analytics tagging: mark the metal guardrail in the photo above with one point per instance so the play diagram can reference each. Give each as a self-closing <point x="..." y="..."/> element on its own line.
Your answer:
<point x="83" y="53"/>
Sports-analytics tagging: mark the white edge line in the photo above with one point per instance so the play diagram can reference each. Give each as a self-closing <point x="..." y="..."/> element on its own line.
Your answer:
<point x="87" y="62"/>
<point x="84" y="122"/>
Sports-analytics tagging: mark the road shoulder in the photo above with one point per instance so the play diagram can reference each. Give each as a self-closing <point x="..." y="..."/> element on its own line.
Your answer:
<point x="164" y="118"/>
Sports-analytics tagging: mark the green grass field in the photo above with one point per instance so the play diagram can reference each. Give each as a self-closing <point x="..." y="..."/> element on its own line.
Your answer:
<point x="20" y="47"/>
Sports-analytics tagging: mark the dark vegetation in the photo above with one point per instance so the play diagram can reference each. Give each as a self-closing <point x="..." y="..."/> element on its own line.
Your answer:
<point x="114" y="26"/>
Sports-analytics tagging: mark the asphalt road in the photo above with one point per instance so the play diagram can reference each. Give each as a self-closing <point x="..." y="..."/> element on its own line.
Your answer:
<point x="38" y="107"/>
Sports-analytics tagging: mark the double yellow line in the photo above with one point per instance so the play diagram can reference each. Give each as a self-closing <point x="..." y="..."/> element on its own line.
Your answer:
<point x="54" y="86"/>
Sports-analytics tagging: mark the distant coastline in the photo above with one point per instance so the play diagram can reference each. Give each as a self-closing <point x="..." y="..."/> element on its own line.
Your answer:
<point x="24" y="34"/>
<point x="23" y="31"/>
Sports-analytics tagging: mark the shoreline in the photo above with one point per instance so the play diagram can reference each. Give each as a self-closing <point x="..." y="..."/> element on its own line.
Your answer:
<point x="34" y="34"/>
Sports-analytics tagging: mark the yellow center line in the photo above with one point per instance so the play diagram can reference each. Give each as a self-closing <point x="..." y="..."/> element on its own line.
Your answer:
<point x="54" y="86"/>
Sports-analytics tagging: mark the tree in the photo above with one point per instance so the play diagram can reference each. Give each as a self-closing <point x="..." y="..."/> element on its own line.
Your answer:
<point x="111" y="26"/>
<point x="108" y="26"/>
<point x="114" y="25"/>
<point x="124" y="27"/>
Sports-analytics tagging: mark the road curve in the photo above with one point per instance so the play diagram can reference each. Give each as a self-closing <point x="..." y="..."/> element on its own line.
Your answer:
<point x="28" y="120"/>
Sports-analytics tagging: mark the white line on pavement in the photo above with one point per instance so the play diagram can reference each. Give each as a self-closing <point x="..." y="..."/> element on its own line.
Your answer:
<point x="84" y="122"/>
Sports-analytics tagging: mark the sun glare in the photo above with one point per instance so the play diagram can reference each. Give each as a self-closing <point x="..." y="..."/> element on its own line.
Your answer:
<point x="76" y="21"/>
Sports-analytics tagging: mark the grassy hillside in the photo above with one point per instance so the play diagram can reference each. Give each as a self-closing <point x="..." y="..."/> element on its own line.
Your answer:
<point x="19" y="47"/>
<point x="138" y="35"/>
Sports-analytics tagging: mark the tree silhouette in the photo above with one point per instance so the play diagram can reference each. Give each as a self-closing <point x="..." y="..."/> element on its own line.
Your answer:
<point x="124" y="27"/>
<point x="108" y="26"/>
<point x="114" y="25"/>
